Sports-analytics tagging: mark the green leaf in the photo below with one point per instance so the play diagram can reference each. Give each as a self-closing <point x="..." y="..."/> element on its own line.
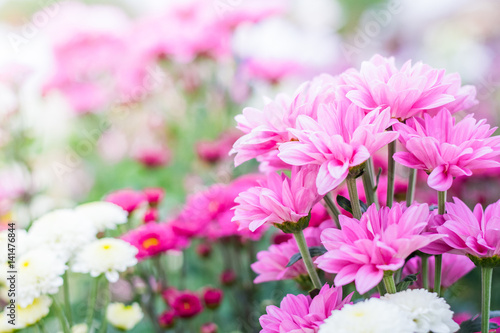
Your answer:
<point x="346" y="204"/>
<point x="474" y="325"/>
<point x="314" y="251"/>
<point x="406" y="282"/>
<point x="377" y="179"/>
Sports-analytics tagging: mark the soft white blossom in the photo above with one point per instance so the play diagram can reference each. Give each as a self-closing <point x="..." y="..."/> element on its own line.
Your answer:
<point x="103" y="215"/>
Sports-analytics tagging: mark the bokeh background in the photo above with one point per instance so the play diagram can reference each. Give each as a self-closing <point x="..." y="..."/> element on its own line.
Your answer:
<point x="97" y="96"/>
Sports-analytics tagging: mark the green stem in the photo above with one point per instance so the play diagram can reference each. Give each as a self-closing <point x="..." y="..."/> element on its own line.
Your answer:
<point x="486" y="277"/>
<point x="437" y="278"/>
<point x="306" y="257"/>
<point x="389" y="283"/>
<point x="425" y="270"/>
<point x="412" y="182"/>
<point x="60" y="315"/>
<point x="369" y="185"/>
<point x="439" y="258"/>
<point x="391" y="170"/>
<point x="334" y="211"/>
<point x="104" y="322"/>
<point x="92" y="301"/>
<point x="162" y="276"/>
<point x="353" y="196"/>
<point x="441" y="202"/>
<point x="67" y="300"/>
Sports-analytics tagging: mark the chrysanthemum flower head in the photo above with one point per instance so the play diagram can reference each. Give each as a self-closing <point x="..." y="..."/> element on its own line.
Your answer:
<point x="474" y="233"/>
<point x="446" y="149"/>
<point x="408" y="91"/>
<point x="371" y="316"/>
<point x="128" y="199"/>
<point x="300" y="313"/>
<point x="341" y="138"/>
<point x="281" y="201"/>
<point x="428" y="311"/>
<point x="64" y="231"/>
<point x="154" y="238"/>
<point x="103" y="215"/>
<point x="381" y="241"/>
<point x="34" y="312"/>
<point x="124" y="317"/>
<point x="39" y="272"/>
<point x="107" y="256"/>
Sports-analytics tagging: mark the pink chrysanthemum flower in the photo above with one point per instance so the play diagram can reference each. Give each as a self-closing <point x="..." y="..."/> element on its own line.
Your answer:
<point x="154" y="238"/>
<point x="300" y="313"/>
<point x="454" y="268"/>
<point x="266" y="129"/>
<point x="363" y="250"/>
<point x="341" y="138"/>
<point x="280" y="200"/>
<point x="408" y="91"/>
<point x="271" y="264"/>
<point x="474" y="233"/>
<point x="446" y="149"/>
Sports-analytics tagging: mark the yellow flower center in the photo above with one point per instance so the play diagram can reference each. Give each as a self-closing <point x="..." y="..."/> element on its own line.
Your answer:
<point x="26" y="264"/>
<point x="153" y="241"/>
<point x="106" y="246"/>
<point x="187" y="306"/>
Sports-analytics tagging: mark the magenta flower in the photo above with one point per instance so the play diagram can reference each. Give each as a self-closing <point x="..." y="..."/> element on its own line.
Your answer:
<point x="341" y="138"/>
<point x="281" y="199"/>
<point x="271" y="264"/>
<point x="127" y="199"/>
<point x="300" y="313"/>
<point x="446" y="149"/>
<point x="186" y="304"/>
<point x="454" y="268"/>
<point x="363" y="250"/>
<point x="154" y="238"/>
<point x="408" y="91"/>
<point x="474" y="233"/>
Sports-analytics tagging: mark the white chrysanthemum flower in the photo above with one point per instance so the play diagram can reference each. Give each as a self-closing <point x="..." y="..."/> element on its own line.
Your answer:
<point x="32" y="313"/>
<point x="104" y="215"/>
<point x="6" y="250"/>
<point x="5" y="327"/>
<point x="63" y="231"/>
<point x="106" y="255"/>
<point x="78" y="328"/>
<point x="370" y="316"/>
<point x="39" y="273"/>
<point x="430" y="312"/>
<point x="123" y="316"/>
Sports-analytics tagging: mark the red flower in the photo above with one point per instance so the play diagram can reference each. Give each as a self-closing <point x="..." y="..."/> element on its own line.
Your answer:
<point x="167" y="319"/>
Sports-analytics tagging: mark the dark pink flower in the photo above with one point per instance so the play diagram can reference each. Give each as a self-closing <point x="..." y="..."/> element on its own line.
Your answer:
<point x="186" y="304"/>
<point x="300" y="313"/>
<point x="212" y="297"/>
<point x="154" y="195"/>
<point x="151" y="215"/>
<point x="228" y="277"/>
<point x="127" y="199"/>
<point x="154" y="238"/>
<point x="445" y="149"/>
<point x="167" y="319"/>
<point x="153" y="157"/>
<point x="381" y="241"/>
